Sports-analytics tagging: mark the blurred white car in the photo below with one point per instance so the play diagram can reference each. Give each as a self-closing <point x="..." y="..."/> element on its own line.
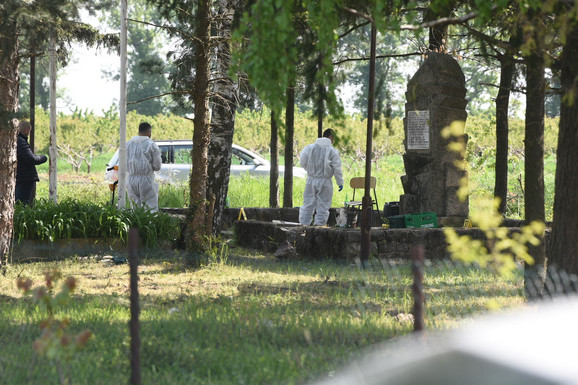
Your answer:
<point x="176" y="167"/>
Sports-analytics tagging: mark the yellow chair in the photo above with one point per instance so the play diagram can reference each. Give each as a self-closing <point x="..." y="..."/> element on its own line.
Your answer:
<point x="358" y="183"/>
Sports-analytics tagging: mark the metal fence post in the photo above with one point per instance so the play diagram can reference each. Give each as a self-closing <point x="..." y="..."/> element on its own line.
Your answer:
<point x="417" y="259"/>
<point x="134" y="308"/>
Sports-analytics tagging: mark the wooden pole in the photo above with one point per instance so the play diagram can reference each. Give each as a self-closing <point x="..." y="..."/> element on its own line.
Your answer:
<point x="122" y="107"/>
<point x="417" y="260"/>
<point x="52" y="150"/>
<point x="366" y="201"/>
<point x="32" y="110"/>
<point x="32" y="99"/>
<point x="135" y="378"/>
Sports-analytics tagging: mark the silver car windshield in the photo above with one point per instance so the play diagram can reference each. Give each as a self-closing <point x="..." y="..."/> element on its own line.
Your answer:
<point x="240" y="158"/>
<point x="176" y="154"/>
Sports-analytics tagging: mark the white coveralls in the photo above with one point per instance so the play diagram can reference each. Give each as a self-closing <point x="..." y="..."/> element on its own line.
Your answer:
<point x="322" y="162"/>
<point x="143" y="158"/>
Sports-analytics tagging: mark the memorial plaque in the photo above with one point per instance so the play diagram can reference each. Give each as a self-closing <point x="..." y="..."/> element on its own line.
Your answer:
<point x="417" y="130"/>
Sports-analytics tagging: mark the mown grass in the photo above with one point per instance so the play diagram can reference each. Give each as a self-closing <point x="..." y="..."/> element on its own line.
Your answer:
<point x="252" y="320"/>
<point x="245" y="318"/>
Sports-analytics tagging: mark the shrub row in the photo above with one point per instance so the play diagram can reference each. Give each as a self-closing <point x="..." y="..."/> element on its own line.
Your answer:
<point x="74" y="219"/>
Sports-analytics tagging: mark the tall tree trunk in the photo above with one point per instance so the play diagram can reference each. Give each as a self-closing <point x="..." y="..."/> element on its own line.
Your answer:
<point x="198" y="226"/>
<point x="9" y="84"/>
<point x="563" y="248"/>
<point x="438" y="35"/>
<point x="289" y="138"/>
<point x="53" y="150"/>
<point x="507" y="68"/>
<point x="534" y="159"/>
<point x="223" y="117"/>
<point x="32" y="112"/>
<point x="274" y="173"/>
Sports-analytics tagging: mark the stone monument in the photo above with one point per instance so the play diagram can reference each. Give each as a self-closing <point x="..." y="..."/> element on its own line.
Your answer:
<point x="435" y="99"/>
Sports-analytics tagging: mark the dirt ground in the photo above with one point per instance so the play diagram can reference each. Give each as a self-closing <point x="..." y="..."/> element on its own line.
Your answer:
<point x="72" y="177"/>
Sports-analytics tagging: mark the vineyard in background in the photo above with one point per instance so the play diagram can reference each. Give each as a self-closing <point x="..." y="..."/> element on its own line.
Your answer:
<point x="84" y="132"/>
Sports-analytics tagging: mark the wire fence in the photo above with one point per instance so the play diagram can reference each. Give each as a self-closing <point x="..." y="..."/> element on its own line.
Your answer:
<point x="282" y="311"/>
<point x="476" y="327"/>
<point x="444" y="289"/>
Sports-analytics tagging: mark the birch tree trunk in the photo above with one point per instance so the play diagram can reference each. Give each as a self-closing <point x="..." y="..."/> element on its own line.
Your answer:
<point x="223" y="117"/>
<point x="9" y="84"/>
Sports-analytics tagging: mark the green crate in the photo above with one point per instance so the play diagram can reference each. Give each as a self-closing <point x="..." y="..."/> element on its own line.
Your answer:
<point x="421" y="220"/>
<point x="396" y="221"/>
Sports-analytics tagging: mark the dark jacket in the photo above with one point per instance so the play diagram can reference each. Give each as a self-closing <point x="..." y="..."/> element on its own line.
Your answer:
<point x="27" y="161"/>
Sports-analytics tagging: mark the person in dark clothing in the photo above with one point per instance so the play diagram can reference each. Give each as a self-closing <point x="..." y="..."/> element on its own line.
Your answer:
<point x="26" y="174"/>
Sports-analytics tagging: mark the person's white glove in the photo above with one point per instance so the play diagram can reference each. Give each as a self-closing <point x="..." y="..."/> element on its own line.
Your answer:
<point x="340" y="188"/>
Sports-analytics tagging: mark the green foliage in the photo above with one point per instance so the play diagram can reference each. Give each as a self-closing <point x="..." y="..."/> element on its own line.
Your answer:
<point x="217" y="251"/>
<point x="480" y="156"/>
<point x="487" y="8"/>
<point x="270" y="74"/>
<point x="174" y="195"/>
<point x="54" y="342"/>
<point x="252" y="130"/>
<point x="33" y="22"/>
<point x="84" y="135"/>
<point x="502" y="248"/>
<point x="247" y="191"/>
<point x="481" y="135"/>
<point x="80" y="219"/>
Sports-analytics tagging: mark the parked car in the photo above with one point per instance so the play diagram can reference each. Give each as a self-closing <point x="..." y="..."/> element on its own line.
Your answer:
<point x="176" y="167"/>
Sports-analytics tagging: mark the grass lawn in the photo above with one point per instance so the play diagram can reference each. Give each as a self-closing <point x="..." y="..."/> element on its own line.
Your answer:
<point x="242" y="319"/>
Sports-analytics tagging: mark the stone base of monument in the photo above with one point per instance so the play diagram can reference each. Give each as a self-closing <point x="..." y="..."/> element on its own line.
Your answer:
<point x="338" y="217"/>
<point x="276" y="231"/>
<point x="452" y="222"/>
<point x="315" y="242"/>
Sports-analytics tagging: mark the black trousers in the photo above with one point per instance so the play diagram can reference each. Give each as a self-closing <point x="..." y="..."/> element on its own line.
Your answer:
<point x="23" y="192"/>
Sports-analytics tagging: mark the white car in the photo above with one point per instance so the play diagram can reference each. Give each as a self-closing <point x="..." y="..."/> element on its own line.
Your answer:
<point x="176" y="167"/>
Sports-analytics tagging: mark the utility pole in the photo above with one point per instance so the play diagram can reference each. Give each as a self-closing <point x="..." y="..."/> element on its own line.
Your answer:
<point x="52" y="150"/>
<point x="366" y="206"/>
<point x="122" y="108"/>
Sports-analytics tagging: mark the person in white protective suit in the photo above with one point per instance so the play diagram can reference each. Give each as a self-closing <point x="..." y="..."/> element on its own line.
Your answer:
<point x="322" y="162"/>
<point x="143" y="158"/>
